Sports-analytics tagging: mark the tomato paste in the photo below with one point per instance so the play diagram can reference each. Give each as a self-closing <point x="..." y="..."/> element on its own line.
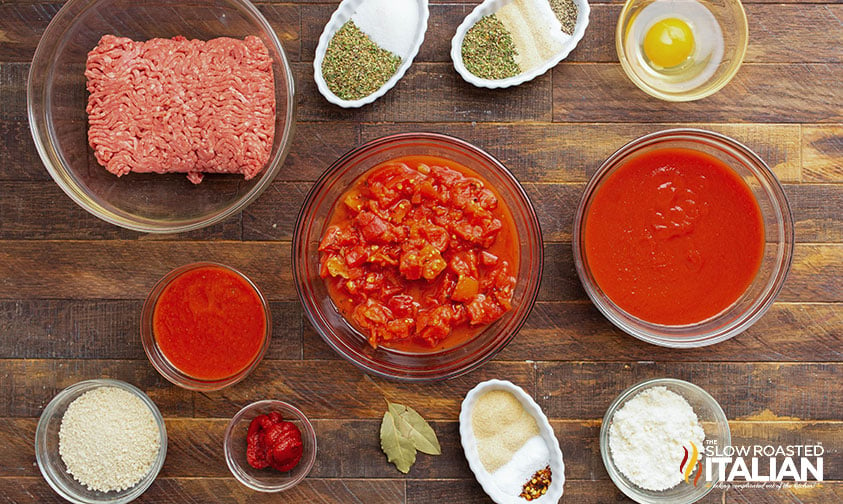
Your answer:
<point x="209" y="323"/>
<point x="420" y="254"/>
<point x="273" y="442"/>
<point x="673" y="236"/>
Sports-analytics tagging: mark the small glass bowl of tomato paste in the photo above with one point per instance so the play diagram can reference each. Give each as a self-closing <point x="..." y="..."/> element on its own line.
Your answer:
<point x="205" y="326"/>
<point x="268" y="479"/>
<point x="683" y="238"/>
<point x="418" y="167"/>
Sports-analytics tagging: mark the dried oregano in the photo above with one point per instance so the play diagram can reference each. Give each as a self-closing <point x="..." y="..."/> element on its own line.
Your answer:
<point x="355" y="67"/>
<point x="488" y="51"/>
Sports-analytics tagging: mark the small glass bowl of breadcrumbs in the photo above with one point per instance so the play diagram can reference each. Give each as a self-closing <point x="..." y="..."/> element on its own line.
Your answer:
<point x="100" y="441"/>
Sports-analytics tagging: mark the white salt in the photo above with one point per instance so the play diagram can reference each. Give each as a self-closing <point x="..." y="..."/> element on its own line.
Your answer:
<point x="531" y="457"/>
<point x="391" y="24"/>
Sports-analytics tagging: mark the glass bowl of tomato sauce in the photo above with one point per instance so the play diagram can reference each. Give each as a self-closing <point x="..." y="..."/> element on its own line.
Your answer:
<point x="205" y="326"/>
<point x="683" y="238"/>
<point x="417" y="256"/>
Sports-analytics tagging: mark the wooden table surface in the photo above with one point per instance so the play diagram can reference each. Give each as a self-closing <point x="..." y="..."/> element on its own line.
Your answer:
<point x="72" y="286"/>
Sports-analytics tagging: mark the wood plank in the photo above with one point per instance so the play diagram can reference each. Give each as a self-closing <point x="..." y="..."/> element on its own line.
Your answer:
<point x="332" y="389"/>
<point x="822" y="153"/>
<point x="585" y="390"/>
<point x="30" y="211"/>
<point x="558" y="152"/>
<point x="601" y="492"/>
<point x="349" y="449"/>
<point x="274" y="215"/>
<point x="784" y="93"/>
<point x="431" y="92"/>
<point x="129" y="269"/>
<point x="534" y="152"/>
<point x="13" y="90"/>
<point x="109" y="329"/>
<point x="576" y="331"/>
<point x="26" y="386"/>
<point x="229" y="490"/>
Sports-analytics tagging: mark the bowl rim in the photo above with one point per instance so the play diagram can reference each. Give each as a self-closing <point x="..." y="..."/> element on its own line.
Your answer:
<point x="737" y="60"/>
<point x="78" y="389"/>
<point x="308" y="459"/>
<point x="40" y="125"/>
<point x="160" y="362"/>
<point x="642" y="329"/>
<point x="605" y="451"/>
<point x="314" y="314"/>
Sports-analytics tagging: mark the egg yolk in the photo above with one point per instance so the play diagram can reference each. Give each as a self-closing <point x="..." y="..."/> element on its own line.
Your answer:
<point x="669" y="42"/>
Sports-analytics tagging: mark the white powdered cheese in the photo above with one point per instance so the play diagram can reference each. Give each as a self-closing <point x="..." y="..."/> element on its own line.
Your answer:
<point x="108" y="439"/>
<point x="647" y="435"/>
<point x="391" y="24"/>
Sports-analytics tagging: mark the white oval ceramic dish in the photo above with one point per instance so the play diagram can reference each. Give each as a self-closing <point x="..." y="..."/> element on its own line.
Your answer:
<point x="490" y="7"/>
<point x="343" y="13"/>
<point x="469" y="444"/>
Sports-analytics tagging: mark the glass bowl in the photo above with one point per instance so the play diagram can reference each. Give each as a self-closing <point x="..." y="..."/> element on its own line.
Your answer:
<point x="717" y="434"/>
<point x="350" y="343"/>
<point x="163" y="365"/>
<point x="727" y="17"/>
<point x="51" y="464"/>
<point x="267" y="480"/>
<point x="775" y="263"/>
<point x="57" y="97"/>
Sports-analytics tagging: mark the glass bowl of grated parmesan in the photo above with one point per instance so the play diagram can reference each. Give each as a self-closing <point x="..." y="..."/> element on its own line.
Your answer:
<point x="656" y="437"/>
<point x="100" y="441"/>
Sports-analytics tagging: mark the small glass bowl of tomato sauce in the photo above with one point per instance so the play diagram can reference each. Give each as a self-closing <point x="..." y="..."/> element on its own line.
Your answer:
<point x="434" y="219"/>
<point x="205" y="326"/>
<point x="683" y="238"/>
<point x="268" y="479"/>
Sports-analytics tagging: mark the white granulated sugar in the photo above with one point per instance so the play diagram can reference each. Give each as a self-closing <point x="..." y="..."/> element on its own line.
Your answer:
<point x="391" y="24"/>
<point x="531" y="457"/>
<point x="108" y="439"/>
<point x="647" y="435"/>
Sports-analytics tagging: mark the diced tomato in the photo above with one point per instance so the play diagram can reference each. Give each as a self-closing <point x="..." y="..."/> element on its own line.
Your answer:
<point x="467" y="287"/>
<point x="411" y="255"/>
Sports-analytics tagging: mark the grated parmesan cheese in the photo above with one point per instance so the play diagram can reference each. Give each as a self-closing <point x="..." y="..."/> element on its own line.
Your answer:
<point x="108" y="439"/>
<point x="647" y="436"/>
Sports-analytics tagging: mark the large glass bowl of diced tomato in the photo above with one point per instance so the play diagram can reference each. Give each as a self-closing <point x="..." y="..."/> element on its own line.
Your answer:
<point x="417" y="256"/>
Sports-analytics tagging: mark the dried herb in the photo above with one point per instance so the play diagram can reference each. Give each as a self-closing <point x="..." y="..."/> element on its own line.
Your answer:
<point x="566" y="12"/>
<point x="488" y="50"/>
<point x="355" y="67"/>
<point x="403" y="431"/>
<point x="537" y="485"/>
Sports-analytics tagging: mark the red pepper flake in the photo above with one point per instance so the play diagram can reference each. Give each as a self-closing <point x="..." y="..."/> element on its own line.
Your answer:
<point x="537" y="485"/>
<point x="272" y="442"/>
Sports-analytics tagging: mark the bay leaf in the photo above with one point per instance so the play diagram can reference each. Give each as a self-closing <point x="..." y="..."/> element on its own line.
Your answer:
<point x="398" y="448"/>
<point x="415" y="427"/>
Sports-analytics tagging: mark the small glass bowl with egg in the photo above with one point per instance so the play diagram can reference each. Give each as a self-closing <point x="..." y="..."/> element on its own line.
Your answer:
<point x="681" y="50"/>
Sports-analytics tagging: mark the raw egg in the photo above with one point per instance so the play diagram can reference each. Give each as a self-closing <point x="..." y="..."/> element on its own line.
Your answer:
<point x="669" y="42"/>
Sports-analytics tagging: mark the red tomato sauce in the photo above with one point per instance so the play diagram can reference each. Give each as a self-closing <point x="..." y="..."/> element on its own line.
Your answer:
<point x="420" y="254"/>
<point x="209" y="323"/>
<point x="674" y="237"/>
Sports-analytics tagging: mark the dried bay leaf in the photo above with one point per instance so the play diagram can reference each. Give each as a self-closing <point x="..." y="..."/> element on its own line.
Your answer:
<point x="398" y="448"/>
<point x="413" y="426"/>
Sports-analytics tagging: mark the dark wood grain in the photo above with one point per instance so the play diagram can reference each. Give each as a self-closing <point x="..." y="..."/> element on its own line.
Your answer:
<point x="585" y="390"/>
<point x="766" y="93"/>
<point x="822" y="153"/>
<point x="72" y="287"/>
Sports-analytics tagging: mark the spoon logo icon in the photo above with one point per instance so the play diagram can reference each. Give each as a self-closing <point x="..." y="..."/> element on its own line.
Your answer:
<point x="686" y="467"/>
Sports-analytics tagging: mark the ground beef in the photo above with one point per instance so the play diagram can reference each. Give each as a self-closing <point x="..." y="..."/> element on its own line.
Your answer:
<point x="179" y="105"/>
